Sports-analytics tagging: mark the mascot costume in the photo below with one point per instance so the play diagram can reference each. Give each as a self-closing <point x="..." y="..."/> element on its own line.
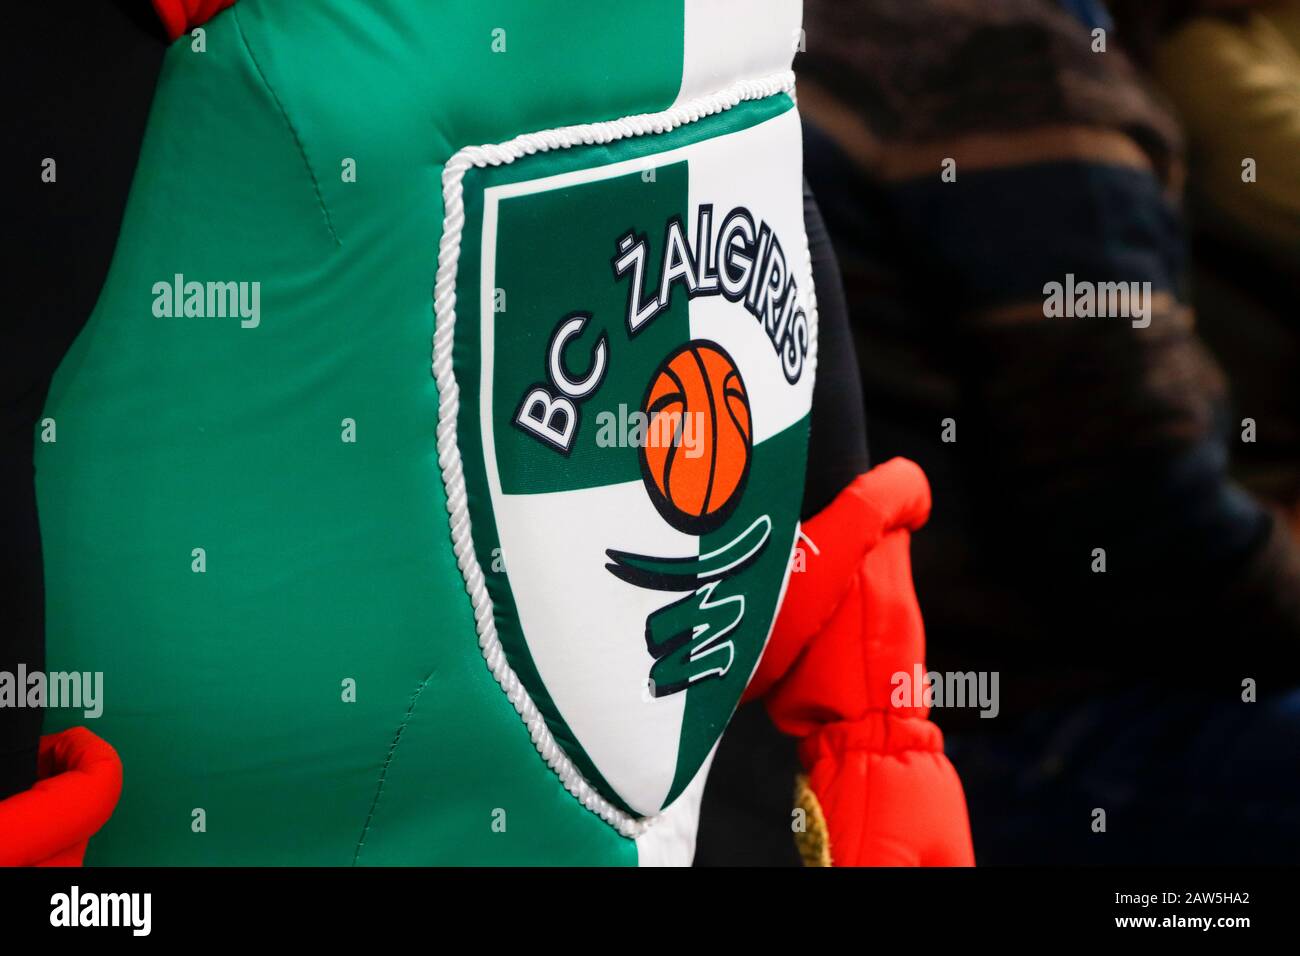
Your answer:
<point x="429" y="483"/>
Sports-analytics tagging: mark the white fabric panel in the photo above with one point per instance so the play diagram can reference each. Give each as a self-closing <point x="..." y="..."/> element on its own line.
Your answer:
<point x="671" y="841"/>
<point x="729" y="40"/>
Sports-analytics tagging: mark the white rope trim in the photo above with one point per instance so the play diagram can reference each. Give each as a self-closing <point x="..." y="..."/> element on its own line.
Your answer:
<point x="449" y="459"/>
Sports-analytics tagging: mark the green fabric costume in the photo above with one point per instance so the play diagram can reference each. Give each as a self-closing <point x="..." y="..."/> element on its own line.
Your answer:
<point x="245" y="516"/>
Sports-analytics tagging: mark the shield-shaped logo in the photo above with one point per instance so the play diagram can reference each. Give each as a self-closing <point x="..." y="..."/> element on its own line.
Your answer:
<point x="625" y="351"/>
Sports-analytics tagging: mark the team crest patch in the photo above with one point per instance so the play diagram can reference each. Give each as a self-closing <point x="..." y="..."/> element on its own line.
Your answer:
<point x="625" y="347"/>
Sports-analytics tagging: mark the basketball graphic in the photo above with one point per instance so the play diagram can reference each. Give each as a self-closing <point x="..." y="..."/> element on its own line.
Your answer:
<point x="696" y="454"/>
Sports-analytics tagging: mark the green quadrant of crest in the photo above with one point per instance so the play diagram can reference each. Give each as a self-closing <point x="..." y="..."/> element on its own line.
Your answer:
<point x="546" y="273"/>
<point x="778" y="464"/>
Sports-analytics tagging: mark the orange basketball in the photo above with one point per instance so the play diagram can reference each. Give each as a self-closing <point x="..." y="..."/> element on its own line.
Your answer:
<point x="696" y="453"/>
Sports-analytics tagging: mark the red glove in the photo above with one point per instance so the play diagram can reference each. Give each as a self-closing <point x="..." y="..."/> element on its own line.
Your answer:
<point x="850" y="621"/>
<point x="50" y="824"/>
<point x="181" y="16"/>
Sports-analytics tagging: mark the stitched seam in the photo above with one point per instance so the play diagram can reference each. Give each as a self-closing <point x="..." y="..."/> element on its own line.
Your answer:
<point x="383" y="771"/>
<point x="302" y="151"/>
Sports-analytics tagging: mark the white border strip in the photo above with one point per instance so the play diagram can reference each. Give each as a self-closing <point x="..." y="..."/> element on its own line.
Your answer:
<point x="449" y="459"/>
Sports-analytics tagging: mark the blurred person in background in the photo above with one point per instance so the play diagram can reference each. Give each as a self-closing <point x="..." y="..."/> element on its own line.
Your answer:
<point x="1231" y="69"/>
<point x="975" y="158"/>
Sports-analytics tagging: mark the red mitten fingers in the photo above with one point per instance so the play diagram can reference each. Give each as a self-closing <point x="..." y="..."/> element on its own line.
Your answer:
<point x="50" y="824"/>
<point x="850" y="622"/>
<point x="181" y="16"/>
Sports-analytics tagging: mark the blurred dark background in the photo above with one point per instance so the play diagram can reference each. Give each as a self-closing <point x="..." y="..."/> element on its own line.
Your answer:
<point x="1134" y="141"/>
